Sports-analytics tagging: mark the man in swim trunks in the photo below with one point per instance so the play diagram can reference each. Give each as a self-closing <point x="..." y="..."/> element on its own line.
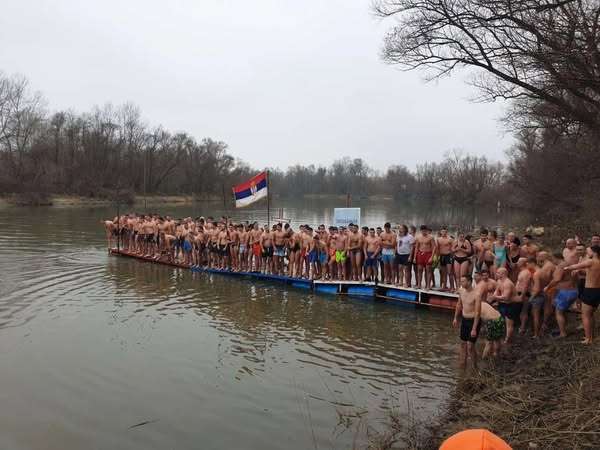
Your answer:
<point x="495" y="327"/>
<point x="591" y="293"/>
<point x="279" y="241"/>
<point x="595" y="241"/>
<point x="255" y="251"/>
<point x="425" y="248"/>
<point x="468" y="309"/>
<point x="537" y="299"/>
<point x="544" y="261"/>
<point x="564" y="286"/>
<point x="223" y="242"/>
<point x="569" y="253"/>
<point x="523" y="287"/>
<point x="388" y="252"/>
<point x="444" y="248"/>
<point x="509" y="303"/>
<point x="528" y="248"/>
<point x="484" y="257"/>
<point x="488" y="286"/>
<point x="243" y="237"/>
<point x="372" y="248"/>
<point x="354" y="251"/>
<point x="266" y="250"/>
<point x="340" y="255"/>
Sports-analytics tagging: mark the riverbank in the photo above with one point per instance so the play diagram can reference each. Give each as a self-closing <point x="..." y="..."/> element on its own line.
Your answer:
<point x="75" y="200"/>
<point x="540" y="395"/>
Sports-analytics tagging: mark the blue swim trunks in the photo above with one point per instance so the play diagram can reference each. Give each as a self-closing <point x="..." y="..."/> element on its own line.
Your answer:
<point x="565" y="298"/>
<point x="388" y="255"/>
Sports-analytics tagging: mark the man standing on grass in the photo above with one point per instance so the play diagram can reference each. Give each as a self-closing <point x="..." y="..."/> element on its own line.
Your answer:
<point x="468" y="309"/>
<point x="591" y="291"/>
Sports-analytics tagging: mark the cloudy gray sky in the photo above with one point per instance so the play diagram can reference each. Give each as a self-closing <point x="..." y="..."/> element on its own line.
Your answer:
<point x="281" y="81"/>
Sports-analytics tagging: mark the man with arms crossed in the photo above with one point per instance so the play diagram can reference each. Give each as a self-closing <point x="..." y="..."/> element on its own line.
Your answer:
<point x="468" y="309"/>
<point x="591" y="291"/>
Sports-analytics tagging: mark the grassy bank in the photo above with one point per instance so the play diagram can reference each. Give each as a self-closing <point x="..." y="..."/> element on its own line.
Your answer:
<point x="539" y="395"/>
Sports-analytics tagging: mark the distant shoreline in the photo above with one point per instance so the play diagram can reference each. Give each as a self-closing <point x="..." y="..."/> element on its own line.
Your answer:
<point x="79" y="200"/>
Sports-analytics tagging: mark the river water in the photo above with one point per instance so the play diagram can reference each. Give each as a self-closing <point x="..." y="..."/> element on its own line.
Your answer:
<point x="92" y="345"/>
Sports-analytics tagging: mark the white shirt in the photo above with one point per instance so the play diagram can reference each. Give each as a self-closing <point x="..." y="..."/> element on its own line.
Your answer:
<point x="405" y="244"/>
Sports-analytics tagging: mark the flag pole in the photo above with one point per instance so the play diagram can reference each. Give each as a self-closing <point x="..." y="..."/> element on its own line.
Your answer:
<point x="268" y="203"/>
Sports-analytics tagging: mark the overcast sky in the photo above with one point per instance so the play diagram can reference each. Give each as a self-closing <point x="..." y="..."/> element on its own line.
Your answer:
<point x="281" y="81"/>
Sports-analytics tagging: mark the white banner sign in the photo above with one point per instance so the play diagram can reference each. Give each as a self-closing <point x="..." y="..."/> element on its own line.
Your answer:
<point x="342" y="217"/>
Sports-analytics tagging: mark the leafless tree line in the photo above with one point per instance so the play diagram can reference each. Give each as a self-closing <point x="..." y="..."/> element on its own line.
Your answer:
<point x="541" y="55"/>
<point x="101" y="152"/>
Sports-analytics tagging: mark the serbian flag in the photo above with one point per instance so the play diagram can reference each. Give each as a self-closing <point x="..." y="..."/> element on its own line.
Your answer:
<point x="251" y="191"/>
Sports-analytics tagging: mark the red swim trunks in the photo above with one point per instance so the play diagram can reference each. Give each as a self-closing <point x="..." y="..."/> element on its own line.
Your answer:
<point x="423" y="258"/>
<point x="256" y="249"/>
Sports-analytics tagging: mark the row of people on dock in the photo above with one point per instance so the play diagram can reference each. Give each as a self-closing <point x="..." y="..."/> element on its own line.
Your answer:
<point x="544" y="286"/>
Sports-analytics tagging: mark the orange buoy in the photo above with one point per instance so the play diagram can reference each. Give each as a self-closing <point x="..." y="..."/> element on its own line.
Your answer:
<point x="474" y="440"/>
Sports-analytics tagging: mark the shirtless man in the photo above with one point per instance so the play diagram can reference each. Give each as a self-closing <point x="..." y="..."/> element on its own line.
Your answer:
<point x="340" y="255"/>
<point x="425" y="247"/>
<point x="372" y="247"/>
<point x="243" y="237"/>
<point x="234" y="247"/>
<point x="565" y="285"/>
<point x="354" y="251"/>
<point x="537" y="299"/>
<point x="295" y="254"/>
<point x="444" y="248"/>
<point x="223" y="241"/>
<point x="509" y="303"/>
<point x="528" y="248"/>
<point x="213" y="245"/>
<point x="468" y="309"/>
<point x="388" y="252"/>
<point x="544" y="260"/>
<point x="569" y="253"/>
<point x="266" y="250"/>
<point x="488" y="286"/>
<point x="595" y="241"/>
<point x="279" y="240"/>
<point x="110" y="228"/>
<point x="495" y="329"/>
<point x="255" y="250"/>
<point x="306" y="240"/>
<point x="523" y="287"/>
<point x="484" y="256"/>
<point x="591" y="291"/>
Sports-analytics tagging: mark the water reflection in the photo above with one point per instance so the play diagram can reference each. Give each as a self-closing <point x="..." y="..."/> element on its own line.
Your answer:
<point x="93" y="344"/>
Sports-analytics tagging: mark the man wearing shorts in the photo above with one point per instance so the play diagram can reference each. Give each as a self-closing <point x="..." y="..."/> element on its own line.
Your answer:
<point x="424" y="249"/>
<point x="444" y="246"/>
<point x="388" y="251"/>
<point x="509" y="303"/>
<point x="372" y="248"/>
<point x="495" y="329"/>
<point x="537" y="299"/>
<point x="564" y="285"/>
<point x="591" y="292"/>
<point x="468" y="309"/>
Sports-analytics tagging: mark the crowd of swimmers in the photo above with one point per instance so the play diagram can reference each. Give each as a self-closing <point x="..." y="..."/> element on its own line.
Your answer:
<point x="502" y="280"/>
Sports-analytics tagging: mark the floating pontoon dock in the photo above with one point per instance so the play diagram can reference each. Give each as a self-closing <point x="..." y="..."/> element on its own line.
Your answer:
<point x="364" y="289"/>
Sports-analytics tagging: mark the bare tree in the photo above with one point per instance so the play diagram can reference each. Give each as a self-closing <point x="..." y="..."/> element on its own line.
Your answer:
<point x="544" y="53"/>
